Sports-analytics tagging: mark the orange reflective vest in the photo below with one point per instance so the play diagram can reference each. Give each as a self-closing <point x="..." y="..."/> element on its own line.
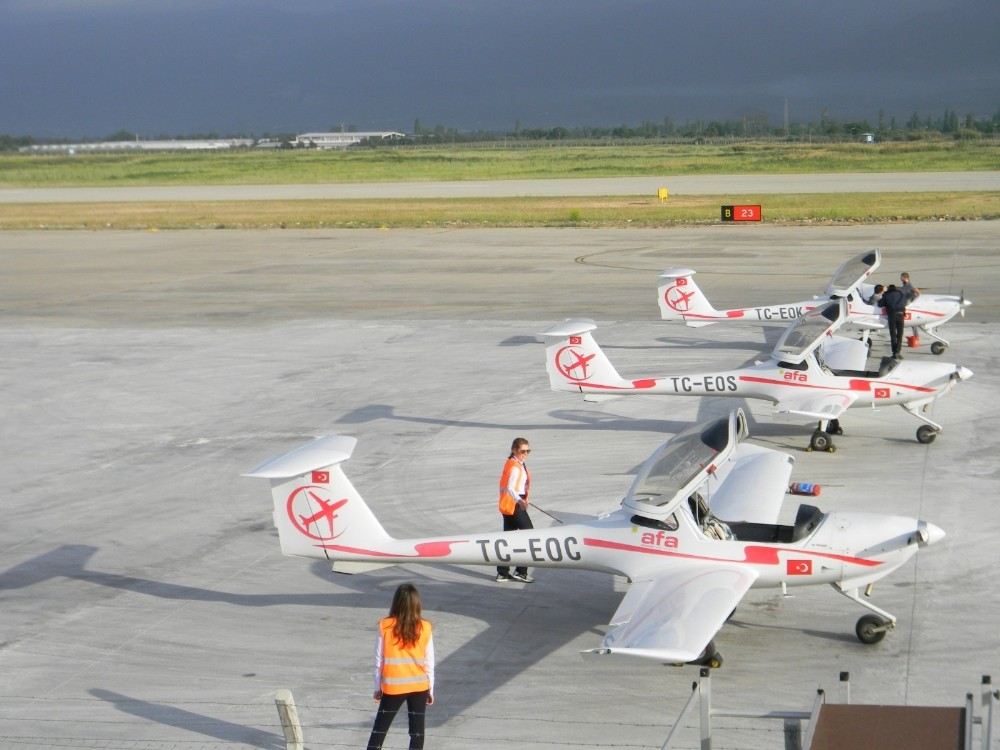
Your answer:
<point x="515" y="477"/>
<point x="404" y="669"/>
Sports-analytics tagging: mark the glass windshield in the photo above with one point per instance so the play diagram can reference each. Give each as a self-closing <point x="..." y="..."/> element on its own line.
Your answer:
<point x="852" y="272"/>
<point x="680" y="461"/>
<point x="803" y="333"/>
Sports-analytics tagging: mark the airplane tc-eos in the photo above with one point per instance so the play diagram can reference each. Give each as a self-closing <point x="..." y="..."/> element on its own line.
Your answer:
<point x="687" y="567"/>
<point x="680" y="298"/>
<point x="810" y="373"/>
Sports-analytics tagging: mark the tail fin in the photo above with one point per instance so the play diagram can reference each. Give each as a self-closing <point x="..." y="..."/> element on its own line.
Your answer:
<point x="576" y="363"/>
<point x="681" y="299"/>
<point x="315" y="502"/>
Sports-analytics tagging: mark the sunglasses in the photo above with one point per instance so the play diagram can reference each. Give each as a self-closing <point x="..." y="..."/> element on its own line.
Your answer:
<point x="524" y="450"/>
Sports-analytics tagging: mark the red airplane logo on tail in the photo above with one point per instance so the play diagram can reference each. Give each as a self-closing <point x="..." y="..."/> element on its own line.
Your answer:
<point x="576" y="369"/>
<point x="678" y="300"/>
<point x="306" y="499"/>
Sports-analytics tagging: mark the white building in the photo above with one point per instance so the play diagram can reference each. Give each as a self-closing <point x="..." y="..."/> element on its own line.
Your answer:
<point x="343" y="140"/>
<point x="214" y="144"/>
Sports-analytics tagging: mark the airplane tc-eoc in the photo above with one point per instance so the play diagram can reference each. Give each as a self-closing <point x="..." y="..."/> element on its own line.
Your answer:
<point x="696" y="530"/>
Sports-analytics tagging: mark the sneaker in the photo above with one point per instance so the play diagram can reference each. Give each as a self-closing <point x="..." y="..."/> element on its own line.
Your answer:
<point x="523" y="577"/>
<point x="502" y="578"/>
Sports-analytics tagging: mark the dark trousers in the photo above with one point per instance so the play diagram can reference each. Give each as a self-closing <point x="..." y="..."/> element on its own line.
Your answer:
<point x="896" y="328"/>
<point x="517" y="520"/>
<point x="416" y="707"/>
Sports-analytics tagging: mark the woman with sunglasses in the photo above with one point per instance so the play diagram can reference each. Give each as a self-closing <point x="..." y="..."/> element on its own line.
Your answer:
<point x="515" y="482"/>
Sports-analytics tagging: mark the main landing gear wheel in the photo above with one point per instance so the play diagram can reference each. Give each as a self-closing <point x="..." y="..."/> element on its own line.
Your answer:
<point x="926" y="434"/>
<point x="937" y="347"/>
<point x="871" y="629"/>
<point x="821" y="441"/>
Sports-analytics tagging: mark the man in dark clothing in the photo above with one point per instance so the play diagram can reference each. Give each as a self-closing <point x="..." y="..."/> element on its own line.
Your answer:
<point x="894" y="302"/>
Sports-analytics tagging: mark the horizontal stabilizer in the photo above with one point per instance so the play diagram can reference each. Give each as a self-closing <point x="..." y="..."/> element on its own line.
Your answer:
<point x="570" y="327"/>
<point x="320" y="453"/>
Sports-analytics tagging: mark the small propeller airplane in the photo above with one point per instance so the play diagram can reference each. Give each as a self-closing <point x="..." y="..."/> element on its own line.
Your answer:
<point x="810" y="373"/>
<point x="680" y="298"/>
<point x="688" y="568"/>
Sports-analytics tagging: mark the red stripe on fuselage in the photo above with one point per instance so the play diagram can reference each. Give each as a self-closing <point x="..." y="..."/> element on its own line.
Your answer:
<point x="856" y="384"/>
<point x="752" y="554"/>
<point x="425" y="549"/>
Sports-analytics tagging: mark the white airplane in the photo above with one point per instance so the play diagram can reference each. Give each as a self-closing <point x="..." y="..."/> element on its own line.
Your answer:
<point x="810" y="373"/>
<point x="680" y="298"/>
<point x="688" y="569"/>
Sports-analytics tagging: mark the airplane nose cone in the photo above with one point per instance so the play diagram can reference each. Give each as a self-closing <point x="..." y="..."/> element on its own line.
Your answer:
<point x="929" y="533"/>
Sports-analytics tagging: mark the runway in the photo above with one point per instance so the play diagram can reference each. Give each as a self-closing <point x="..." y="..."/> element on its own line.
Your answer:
<point x="145" y="602"/>
<point x="849" y="182"/>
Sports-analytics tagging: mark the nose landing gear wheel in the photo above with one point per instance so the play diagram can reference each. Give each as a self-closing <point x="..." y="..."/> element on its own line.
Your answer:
<point x="871" y="629"/>
<point x="926" y="434"/>
<point x="938" y="348"/>
<point x="821" y="441"/>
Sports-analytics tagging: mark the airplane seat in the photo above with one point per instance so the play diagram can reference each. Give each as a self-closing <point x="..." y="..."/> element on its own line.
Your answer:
<point x="807" y="518"/>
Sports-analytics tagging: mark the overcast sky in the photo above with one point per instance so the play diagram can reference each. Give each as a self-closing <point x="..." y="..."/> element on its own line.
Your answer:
<point x="74" y="68"/>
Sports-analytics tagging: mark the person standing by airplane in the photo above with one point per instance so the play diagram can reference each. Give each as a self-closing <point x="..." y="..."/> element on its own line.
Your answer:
<point x="404" y="667"/>
<point x="515" y="482"/>
<point x="908" y="290"/>
<point x="894" y="302"/>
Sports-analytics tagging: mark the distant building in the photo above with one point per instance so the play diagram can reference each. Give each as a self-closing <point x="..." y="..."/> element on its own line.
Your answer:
<point x="343" y="140"/>
<point x="214" y="144"/>
<point x="868" y="137"/>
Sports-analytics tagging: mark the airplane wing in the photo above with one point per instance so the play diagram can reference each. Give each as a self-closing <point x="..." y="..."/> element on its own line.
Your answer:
<point x="754" y="488"/>
<point x="672" y="617"/>
<point x="816" y="405"/>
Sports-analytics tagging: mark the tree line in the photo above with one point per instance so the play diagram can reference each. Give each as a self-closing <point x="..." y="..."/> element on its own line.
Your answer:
<point x="756" y="125"/>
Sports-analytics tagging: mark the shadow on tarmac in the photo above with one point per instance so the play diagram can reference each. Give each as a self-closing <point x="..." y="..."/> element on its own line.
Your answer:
<point x="172" y="716"/>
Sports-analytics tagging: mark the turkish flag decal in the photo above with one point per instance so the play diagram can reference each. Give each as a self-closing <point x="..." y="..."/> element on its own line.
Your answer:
<point x="682" y="282"/>
<point x="881" y="393"/>
<point x="321" y="477"/>
<point x="799" y="567"/>
<point x="575" y="340"/>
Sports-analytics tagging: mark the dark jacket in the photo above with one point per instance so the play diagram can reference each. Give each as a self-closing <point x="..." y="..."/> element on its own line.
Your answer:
<point x="894" y="301"/>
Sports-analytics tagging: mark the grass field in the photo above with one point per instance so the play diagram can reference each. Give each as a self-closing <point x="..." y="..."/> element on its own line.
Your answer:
<point x="489" y="163"/>
<point x="455" y="163"/>
<point x="503" y="212"/>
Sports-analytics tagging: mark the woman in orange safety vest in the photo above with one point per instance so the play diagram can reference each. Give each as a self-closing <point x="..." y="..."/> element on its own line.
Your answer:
<point x="404" y="667"/>
<point x="515" y="483"/>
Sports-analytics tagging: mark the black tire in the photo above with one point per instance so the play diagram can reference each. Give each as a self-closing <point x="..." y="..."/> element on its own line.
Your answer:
<point x="937" y="347"/>
<point x="926" y="434"/>
<point x="820" y="441"/>
<point x="870" y="629"/>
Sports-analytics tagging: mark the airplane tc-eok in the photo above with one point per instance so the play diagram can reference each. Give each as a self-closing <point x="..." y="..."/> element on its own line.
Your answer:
<point x="697" y="528"/>
<point x="810" y="373"/>
<point x="680" y="298"/>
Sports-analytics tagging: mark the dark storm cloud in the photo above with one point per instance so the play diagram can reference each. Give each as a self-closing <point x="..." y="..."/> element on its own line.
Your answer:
<point x="91" y="67"/>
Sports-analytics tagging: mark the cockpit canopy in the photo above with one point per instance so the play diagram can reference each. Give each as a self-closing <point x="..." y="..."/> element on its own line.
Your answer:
<point x="852" y="272"/>
<point x="807" y="332"/>
<point x="682" y="464"/>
